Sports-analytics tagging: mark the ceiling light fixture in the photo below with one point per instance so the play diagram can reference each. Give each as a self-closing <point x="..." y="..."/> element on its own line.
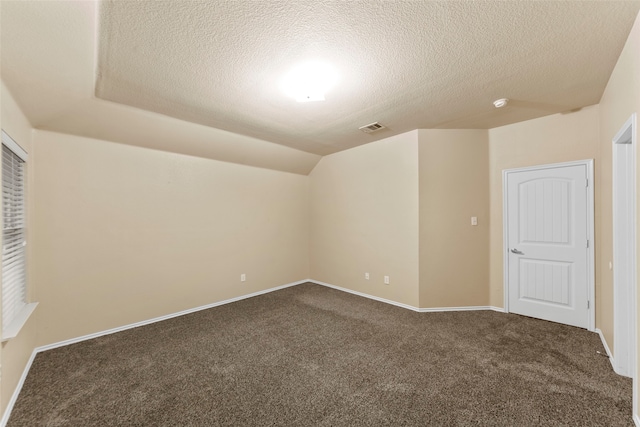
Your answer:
<point x="499" y="103"/>
<point x="309" y="81"/>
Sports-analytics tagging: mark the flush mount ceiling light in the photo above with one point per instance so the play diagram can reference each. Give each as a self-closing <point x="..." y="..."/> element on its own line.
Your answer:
<point x="309" y="81"/>
<point x="499" y="103"/>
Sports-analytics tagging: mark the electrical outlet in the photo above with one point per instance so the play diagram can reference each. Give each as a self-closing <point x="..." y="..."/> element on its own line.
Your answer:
<point x="243" y="277"/>
<point x="386" y="280"/>
<point x="366" y="276"/>
<point x="474" y="220"/>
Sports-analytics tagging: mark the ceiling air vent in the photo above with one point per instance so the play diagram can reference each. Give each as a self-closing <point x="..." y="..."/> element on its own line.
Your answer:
<point x="372" y="127"/>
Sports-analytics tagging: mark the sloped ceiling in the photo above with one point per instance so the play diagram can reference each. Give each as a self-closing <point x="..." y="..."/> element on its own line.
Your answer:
<point x="407" y="64"/>
<point x="202" y="77"/>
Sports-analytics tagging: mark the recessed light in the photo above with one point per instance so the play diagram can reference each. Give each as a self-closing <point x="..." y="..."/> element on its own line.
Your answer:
<point x="309" y="81"/>
<point x="499" y="103"/>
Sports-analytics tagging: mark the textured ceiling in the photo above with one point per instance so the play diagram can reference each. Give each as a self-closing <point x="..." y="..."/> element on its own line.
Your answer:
<point x="48" y="51"/>
<point x="201" y="78"/>
<point x="406" y="64"/>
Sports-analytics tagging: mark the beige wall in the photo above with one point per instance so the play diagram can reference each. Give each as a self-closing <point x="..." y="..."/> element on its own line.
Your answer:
<point x="127" y="234"/>
<point x="364" y="218"/>
<point x="120" y="234"/>
<point x="15" y="353"/>
<point x="454" y="186"/>
<point x="94" y="118"/>
<point x="551" y="139"/>
<point x="620" y="99"/>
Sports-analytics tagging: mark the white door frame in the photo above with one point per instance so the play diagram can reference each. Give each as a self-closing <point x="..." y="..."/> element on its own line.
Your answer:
<point x="590" y="233"/>
<point x="624" y="246"/>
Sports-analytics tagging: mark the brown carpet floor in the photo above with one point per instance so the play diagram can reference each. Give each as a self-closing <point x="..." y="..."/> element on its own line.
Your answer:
<point x="313" y="356"/>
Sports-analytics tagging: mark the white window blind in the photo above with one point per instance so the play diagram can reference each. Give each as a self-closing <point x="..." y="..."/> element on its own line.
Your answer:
<point x="13" y="233"/>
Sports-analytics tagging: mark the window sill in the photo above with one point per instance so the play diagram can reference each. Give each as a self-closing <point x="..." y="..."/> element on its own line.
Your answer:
<point x="13" y="329"/>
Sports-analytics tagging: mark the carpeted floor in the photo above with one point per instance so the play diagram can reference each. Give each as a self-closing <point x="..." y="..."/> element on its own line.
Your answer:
<point x="314" y="356"/>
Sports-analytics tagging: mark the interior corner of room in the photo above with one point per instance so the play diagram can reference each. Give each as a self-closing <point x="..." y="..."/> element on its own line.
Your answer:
<point x="135" y="215"/>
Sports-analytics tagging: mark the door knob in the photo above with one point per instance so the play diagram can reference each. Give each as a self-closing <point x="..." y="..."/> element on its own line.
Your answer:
<point x="517" y="252"/>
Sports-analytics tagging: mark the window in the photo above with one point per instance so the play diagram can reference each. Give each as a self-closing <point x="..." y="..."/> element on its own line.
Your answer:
<point x="15" y="310"/>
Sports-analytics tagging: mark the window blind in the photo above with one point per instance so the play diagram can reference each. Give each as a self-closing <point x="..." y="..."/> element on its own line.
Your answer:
<point x="13" y="233"/>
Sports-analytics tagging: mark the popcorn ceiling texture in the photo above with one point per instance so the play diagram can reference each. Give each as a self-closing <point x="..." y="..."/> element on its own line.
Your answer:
<point x="406" y="64"/>
<point x="48" y="62"/>
<point x="201" y="78"/>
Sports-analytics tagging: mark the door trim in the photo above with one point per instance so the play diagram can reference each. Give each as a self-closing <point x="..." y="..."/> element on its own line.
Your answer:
<point x="624" y="321"/>
<point x="588" y="163"/>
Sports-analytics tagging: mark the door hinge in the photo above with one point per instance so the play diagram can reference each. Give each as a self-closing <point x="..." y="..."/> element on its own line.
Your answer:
<point x="586" y="182"/>
<point x="587" y="243"/>
<point x="587" y="304"/>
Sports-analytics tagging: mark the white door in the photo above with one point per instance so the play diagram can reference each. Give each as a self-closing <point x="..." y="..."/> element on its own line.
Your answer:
<point x="547" y="226"/>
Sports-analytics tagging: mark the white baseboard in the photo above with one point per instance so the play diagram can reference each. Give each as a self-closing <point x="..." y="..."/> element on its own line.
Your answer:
<point x="407" y="306"/>
<point x="254" y="294"/>
<point x="606" y="348"/>
<point x="467" y="308"/>
<point x="165" y="317"/>
<point x="636" y="420"/>
<point x="16" y="392"/>
<point x="610" y="354"/>
<point x="361" y="294"/>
